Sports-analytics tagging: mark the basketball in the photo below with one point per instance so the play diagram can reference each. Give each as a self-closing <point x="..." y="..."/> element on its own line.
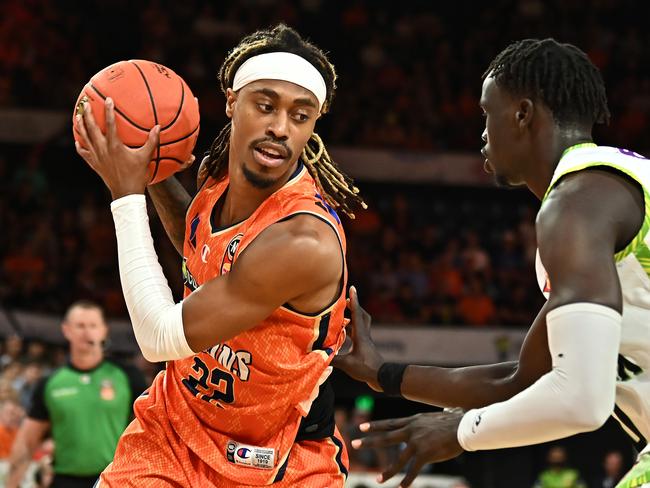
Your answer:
<point x="145" y="94"/>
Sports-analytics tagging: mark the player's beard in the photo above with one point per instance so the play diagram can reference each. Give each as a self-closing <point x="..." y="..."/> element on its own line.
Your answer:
<point x="258" y="181"/>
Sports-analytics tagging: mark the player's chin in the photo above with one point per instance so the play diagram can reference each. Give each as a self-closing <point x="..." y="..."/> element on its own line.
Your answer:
<point x="504" y="181"/>
<point x="260" y="178"/>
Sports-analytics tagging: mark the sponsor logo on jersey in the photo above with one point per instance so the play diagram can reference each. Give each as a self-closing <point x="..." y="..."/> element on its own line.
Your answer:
<point x="205" y="252"/>
<point x="230" y="451"/>
<point x="193" y="226"/>
<point x="243" y="453"/>
<point x="107" y="391"/>
<point x="229" y="255"/>
<point x="188" y="279"/>
<point x="253" y="456"/>
<point x="63" y="392"/>
<point x="322" y="203"/>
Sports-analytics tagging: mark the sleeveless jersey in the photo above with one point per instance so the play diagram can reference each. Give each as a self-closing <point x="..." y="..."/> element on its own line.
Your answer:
<point x="633" y="267"/>
<point x="239" y="404"/>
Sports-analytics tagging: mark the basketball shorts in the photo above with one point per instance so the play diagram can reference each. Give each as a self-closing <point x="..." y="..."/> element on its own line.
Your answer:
<point x="146" y="459"/>
<point x="639" y="475"/>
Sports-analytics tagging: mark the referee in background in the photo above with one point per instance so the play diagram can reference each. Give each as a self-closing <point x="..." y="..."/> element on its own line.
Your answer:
<point x="86" y="405"/>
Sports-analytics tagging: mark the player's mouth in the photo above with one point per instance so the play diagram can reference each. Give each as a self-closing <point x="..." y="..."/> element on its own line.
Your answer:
<point x="269" y="154"/>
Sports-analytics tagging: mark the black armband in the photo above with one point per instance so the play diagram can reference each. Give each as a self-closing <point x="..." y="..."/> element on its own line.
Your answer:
<point x="390" y="377"/>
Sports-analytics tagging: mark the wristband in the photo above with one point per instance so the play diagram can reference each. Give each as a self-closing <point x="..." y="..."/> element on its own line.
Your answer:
<point x="390" y="377"/>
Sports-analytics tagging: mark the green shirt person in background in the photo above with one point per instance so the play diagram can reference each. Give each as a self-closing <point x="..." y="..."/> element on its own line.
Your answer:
<point x="85" y="404"/>
<point x="558" y="474"/>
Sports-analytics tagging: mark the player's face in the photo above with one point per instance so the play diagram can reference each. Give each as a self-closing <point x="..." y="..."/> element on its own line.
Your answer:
<point x="85" y="329"/>
<point x="501" y="135"/>
<point x="272" y="121"/>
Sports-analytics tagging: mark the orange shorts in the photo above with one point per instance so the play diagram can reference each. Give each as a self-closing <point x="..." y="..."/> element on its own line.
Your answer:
<point x="148" y="459"/>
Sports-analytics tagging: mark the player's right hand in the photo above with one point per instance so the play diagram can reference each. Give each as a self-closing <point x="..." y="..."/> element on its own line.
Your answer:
<point x="363" y="360"/>
<point x="124" y="170"/>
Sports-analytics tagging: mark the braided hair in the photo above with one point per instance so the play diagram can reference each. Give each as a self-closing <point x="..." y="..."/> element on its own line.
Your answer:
<point x="560" y="75"/>
<point x="336" y="187"/>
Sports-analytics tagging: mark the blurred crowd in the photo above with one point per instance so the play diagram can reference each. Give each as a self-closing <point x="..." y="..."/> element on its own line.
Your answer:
<point x="409" y="79"/>
<point x="409" y="71"/>
<point x="418" y="255"/>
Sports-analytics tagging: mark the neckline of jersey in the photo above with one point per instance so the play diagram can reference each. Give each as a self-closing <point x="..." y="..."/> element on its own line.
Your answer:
<point x="216" y="230"/>
<point x="578" y="146"/>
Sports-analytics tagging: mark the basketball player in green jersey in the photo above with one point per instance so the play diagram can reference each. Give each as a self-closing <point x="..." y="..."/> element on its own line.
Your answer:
<point x="587" y="354"/>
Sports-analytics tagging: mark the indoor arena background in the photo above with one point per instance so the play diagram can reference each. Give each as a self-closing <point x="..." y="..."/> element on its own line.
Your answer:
<point x="443" y="260"/>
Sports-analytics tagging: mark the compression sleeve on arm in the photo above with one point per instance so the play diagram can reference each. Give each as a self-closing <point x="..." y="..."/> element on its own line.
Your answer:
<point x="157" y="320"/>
<point x="577" y="395"/>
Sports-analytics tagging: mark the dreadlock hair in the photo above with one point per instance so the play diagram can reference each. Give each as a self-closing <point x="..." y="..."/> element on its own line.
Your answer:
<point x="336" y="187"/>
<point x="559" y="75"/>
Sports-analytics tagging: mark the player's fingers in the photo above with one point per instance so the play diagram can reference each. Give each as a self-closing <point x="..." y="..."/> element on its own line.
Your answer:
<point x="353" y="300"/>
<point x="93" y="135"/>
<point x="360" y="316"/>
<point x="381" y="439"/>
<point x="152" y="141"/>
<point x="83" y="134"/>
<point x="84" y="153"/>
<point x="188" y="163"/>
<point x="384" y="425"/>
<point x="339" y="361"/>
<point x="111" y="130"/>
<point x="397" y="466"/>
<point x="412" y="473"/>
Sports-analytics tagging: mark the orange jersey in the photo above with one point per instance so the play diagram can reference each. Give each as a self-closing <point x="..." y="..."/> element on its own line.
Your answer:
<point x="239" y="404"/>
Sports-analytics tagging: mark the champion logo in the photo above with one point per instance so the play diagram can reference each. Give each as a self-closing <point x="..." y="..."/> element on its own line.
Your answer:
<point x="243" y="453"/>
<point x="204" y="253"/>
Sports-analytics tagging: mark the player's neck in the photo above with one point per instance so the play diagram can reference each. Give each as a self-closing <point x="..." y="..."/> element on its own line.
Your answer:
<point x="243" y="198"/>
<point x="541" y="170"/>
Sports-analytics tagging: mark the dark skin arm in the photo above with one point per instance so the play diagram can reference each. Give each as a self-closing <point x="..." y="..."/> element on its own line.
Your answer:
<point x="171" y="201"/>
<point x="467" y="387"/>
<point x="578" y="232"/>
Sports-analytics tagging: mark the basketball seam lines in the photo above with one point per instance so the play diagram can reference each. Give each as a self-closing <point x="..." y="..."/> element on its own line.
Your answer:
<point x="118" y="110"/>
<point x="180" y="108"/>
<point x="175" y="141"/>
<point x="155" y="115"/>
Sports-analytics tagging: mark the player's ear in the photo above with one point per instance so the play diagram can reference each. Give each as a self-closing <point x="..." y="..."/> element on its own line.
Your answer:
<point x="524" y="113"/>
<point x="231" y="98"/>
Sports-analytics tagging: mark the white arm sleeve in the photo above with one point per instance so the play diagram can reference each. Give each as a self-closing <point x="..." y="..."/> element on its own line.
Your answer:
<point x="577" y="395"/>
<point x="157" y="320"/>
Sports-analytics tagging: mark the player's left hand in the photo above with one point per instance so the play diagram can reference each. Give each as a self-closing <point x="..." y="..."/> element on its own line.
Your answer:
<point x="124" y="170"/>
<point x="429" y="438"/>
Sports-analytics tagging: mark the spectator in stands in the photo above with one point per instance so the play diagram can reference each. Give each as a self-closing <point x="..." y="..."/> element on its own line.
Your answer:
<point x="12" y="350"/>
<point x="475" y="306"/>
<point x="558" y="474"/>
<point x="613" y="471"/>
<point x="86" y="404"/>
<point x="11" y="414"/>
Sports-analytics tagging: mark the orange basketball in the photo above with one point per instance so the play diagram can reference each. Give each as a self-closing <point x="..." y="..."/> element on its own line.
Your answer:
<point x="145" y="94"/>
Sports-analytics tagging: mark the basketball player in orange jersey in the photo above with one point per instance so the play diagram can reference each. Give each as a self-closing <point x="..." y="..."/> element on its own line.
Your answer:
<point x="244" y="399"/>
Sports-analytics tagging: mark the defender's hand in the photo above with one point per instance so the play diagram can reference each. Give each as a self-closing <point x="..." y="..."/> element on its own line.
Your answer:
<point x="363" y="361"/>
<point x="429" y="438"/>
<point x="124" y="170"/>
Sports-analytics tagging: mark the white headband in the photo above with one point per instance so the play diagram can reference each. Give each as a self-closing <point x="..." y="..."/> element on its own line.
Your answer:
<point x="282" y="66"/>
